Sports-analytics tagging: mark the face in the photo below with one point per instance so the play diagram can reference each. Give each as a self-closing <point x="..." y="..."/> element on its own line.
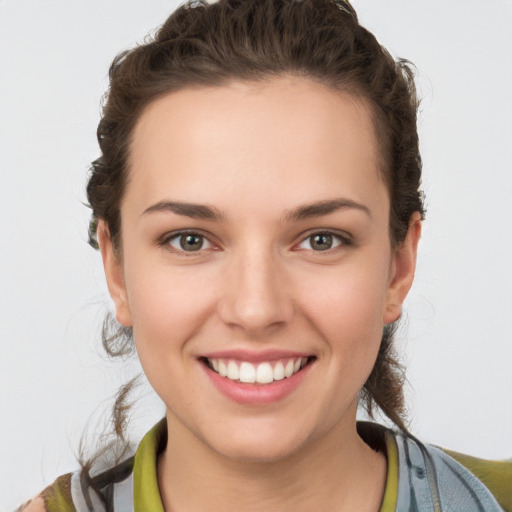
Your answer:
<point x="256" y="267"/>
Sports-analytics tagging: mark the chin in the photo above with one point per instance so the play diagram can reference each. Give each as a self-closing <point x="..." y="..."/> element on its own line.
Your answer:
<point x="259" y="444"/>
<point x="257" y="452"/>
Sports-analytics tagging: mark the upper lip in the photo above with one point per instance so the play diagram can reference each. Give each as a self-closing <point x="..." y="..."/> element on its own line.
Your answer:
<point x="255" y="356"/>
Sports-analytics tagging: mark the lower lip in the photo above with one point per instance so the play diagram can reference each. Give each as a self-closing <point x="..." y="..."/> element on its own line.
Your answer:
<point x="256" y="394"/>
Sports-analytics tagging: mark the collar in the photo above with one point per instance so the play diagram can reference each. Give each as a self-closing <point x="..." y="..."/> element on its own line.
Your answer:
<point x="146" y="495"/>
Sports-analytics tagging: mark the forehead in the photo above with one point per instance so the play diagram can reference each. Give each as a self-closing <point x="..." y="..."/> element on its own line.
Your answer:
<point x="290" y="133"/>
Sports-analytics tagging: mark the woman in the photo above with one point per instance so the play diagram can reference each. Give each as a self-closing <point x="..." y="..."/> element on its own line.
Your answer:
<point x="257" y="206"/>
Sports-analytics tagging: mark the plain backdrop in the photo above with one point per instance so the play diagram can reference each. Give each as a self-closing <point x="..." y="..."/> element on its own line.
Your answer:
<point x="457" y="334"/>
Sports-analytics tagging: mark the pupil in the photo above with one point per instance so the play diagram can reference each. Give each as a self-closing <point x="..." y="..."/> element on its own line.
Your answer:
<point x="191" y="242"/>
<point x="322" y="242"/>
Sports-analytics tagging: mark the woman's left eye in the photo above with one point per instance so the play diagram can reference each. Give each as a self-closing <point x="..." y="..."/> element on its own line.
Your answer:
<point x="322" y="242"/>
<point x="189" y="242"/>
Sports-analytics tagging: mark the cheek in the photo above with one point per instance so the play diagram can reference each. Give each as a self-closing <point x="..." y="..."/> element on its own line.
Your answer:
<point x="168" y="315"/>
<point x="168" y="309"/>
<point x="348" y="312"/>
<point x="351" y="301"/>
<point x="345" y="312"/>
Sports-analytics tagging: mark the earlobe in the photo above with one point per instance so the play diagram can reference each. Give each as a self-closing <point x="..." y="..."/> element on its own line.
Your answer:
<point x="113" y="267"/>
<point x="402" y="275"/>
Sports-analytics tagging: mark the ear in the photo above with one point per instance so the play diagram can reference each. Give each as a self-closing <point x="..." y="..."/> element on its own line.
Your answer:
<point x="114" y="274"/>
<point x="402" y="270"/>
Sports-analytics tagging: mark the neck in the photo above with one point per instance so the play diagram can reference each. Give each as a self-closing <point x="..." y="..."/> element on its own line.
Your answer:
<point x="337" y="472"/>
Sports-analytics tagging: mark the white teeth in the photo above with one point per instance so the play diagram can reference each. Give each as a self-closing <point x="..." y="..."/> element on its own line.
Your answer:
<point x="262" y="373"/>
<point x="233" y="372"/>
<point x="279" y="371"/>
<point x="247" y="373"/>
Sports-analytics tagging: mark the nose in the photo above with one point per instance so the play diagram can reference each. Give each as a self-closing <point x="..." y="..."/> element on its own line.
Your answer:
<point x="257" y="295"/>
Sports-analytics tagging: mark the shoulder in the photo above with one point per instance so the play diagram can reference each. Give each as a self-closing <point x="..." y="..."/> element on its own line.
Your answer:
<point x="454" y="481"/>
<point x="35" y="505"/>
<point x="105" y="487"/>
<point x="78" y="492"/>
<point x="496" y="475"/>
<point x="56" y="497"/>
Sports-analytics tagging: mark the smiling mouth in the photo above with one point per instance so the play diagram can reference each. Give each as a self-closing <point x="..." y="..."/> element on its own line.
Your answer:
<point x="262" y="373"/>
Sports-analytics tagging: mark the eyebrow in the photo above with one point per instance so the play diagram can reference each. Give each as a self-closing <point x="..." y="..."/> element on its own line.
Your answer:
<point x="306" y="211"/>
<point x="321" y="208"/>
<point x="194" y="211"/>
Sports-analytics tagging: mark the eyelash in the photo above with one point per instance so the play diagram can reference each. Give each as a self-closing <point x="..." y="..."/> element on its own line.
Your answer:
<point x="342" y="241"/>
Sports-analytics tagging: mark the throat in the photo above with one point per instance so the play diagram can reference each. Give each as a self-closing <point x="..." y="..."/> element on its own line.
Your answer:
<point x="347" y="478"/>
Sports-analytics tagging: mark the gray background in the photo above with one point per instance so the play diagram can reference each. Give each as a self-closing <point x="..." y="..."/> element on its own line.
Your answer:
<point x="457" y="337"/>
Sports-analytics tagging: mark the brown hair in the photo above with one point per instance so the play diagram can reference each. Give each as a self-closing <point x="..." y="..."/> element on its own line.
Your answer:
<point x="255" y="40"/>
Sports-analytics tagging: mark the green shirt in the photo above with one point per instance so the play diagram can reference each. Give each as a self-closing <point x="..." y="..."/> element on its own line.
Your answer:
<point x="419" y="477"/>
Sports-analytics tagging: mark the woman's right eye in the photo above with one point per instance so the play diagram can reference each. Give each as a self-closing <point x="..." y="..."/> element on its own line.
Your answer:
<point x="189" y="242"/>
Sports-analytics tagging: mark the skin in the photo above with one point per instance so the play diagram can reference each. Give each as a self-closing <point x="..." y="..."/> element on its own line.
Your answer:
<point x="255" y="153"/>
